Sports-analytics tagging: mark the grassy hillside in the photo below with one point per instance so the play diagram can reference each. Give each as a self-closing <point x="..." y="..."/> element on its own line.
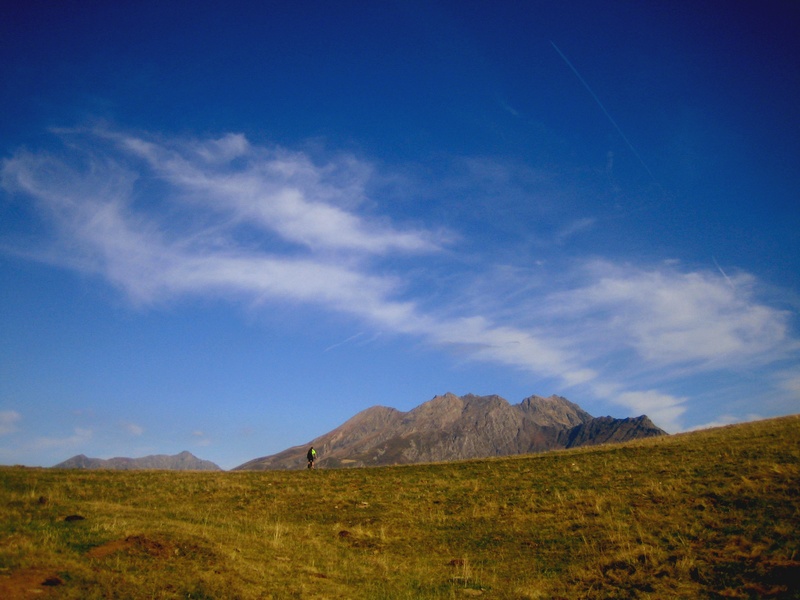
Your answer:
<point x="712" y="514"/>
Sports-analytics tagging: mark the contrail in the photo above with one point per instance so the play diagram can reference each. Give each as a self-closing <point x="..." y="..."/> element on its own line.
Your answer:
<point x="600" y="104"/>
<point x="724" y="274"/>
<point x="350" y="339"/>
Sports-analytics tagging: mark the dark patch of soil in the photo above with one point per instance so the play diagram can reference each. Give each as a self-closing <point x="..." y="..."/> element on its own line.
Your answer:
<point x="29" y="583"/>
<point x="457" y="562"/>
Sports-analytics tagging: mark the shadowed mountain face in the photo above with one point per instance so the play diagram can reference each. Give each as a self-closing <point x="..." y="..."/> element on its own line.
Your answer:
<point x="185" y="461"/>
<point x="450" y="427"/>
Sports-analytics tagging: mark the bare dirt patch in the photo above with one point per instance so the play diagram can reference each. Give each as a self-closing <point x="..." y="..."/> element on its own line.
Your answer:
<point x="134" y="544"/>
<point x="29" y="583"/>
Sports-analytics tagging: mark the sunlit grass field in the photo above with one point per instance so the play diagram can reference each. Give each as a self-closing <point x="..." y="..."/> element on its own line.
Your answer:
<point x="711" y="514"/>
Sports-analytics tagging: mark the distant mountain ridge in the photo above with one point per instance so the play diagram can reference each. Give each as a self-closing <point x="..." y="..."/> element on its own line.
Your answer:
<point x="185" y="461"/>
<point x="450" y="427"/>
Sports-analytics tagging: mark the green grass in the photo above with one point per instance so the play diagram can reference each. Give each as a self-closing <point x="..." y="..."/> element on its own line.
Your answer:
<point x="712" y="514"/>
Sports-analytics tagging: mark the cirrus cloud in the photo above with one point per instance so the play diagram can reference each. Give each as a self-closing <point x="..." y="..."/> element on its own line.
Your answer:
<point x="165" y="218"/>
<point x="8" y="421"/>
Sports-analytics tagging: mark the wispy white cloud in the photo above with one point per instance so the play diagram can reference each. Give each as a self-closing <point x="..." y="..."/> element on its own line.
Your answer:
<point x="279" y="190"/>
<point x="574" y="228"/>
<point x="789" y="381"/>
<point x="161" y="219"/>
<point x="724" y="420"/>
<point x="637" y="330"/>
<point x="8" y="421"/>
<point x="96" y="213"/>
<point x="79" y="438"/>
<point x="201" y="439"/>
<point x="663" y="409"/>
<point x="667" y="316"/>
<point x="133" y="429"/>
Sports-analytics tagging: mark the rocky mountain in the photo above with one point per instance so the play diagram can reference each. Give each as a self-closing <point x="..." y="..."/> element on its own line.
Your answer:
<point x="450" y="427"/>
<point x="607" y="430"/>
<point x="185" y="461"/>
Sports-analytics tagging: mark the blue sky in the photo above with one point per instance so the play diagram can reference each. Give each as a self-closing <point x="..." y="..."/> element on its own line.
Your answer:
<point x="228" y="227"/>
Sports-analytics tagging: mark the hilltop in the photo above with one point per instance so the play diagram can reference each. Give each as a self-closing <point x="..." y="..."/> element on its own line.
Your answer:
<point x="709" y="514"/>
<point x="451" y="427"/>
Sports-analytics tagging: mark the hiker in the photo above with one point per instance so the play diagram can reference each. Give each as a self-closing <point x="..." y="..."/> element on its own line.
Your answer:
<point x="311" y="456"/>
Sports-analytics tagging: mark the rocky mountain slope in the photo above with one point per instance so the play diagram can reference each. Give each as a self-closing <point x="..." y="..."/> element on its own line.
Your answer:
<point x="450" y="427"/>
<point x="185" y="461"/>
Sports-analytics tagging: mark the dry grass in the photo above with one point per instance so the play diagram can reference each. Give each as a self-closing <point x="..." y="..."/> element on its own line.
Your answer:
<point x="711" y="514"/>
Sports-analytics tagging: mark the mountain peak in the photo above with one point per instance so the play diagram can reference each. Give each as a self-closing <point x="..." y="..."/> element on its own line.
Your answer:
<point x="555" y="410"/>
<point x="451" y="427"/>
<point x="605" y="430"/>
<point x="185" y="461"/>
